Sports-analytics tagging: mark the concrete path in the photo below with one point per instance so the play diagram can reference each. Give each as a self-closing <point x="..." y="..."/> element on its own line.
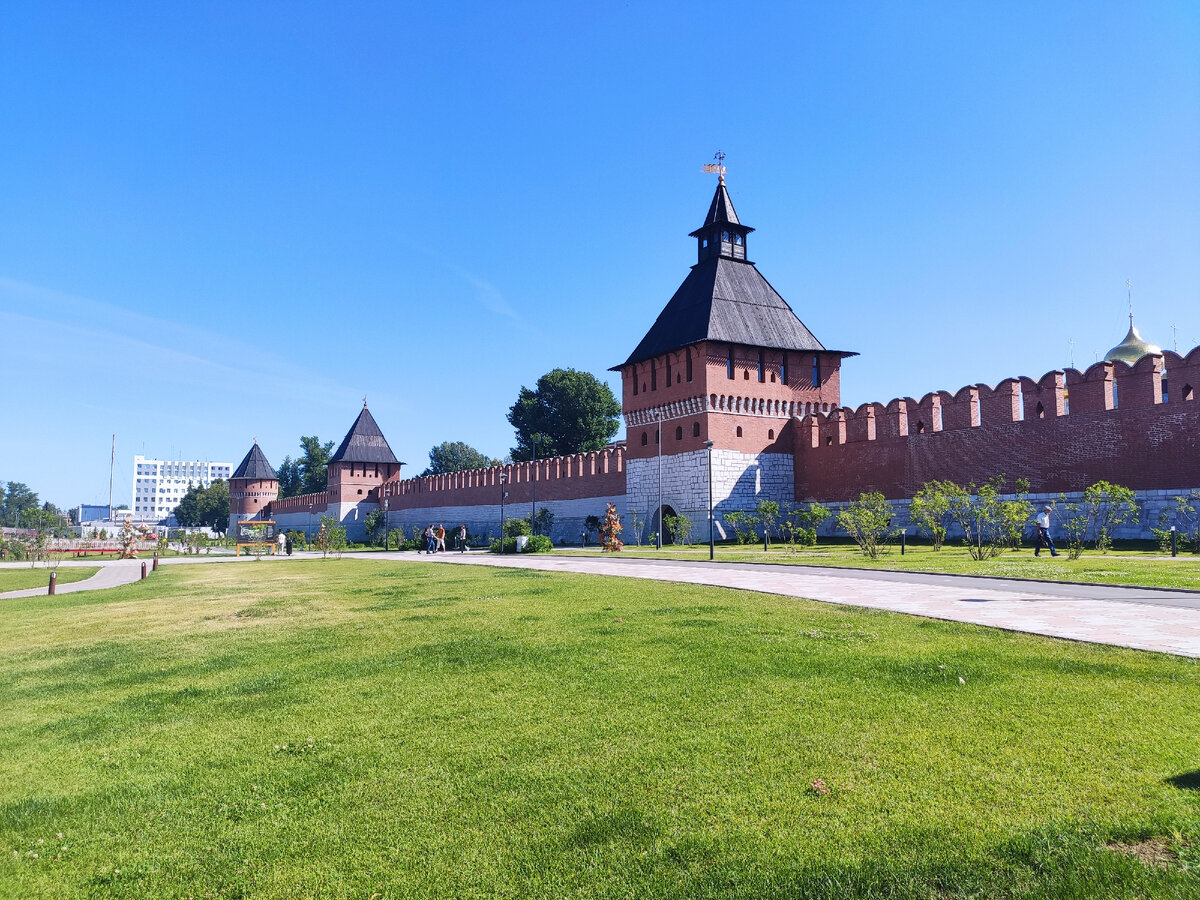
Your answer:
<point x="1141" y="618"/>
<point x="113" y="572"/>
<point x="1144" y="619"/>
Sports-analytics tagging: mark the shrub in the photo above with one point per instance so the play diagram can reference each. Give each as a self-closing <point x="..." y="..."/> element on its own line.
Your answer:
<point x="539" y="543"/>
<point x="800" y="527"/>
<point x="1102" y="508"/>
<point x="517" y="527"/>
<point x="742" y="524"/>
<point x="989" y="524"/>
<point x="680" y="528"/>
<point x="930" y="509"/>
<point x="867" y="520"/>
<point x="767" y="512"/>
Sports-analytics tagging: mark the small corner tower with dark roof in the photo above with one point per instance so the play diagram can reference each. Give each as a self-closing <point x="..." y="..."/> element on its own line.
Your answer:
<point x="361" y="463"/>
<point x="252" y="486"/>
<point x="728" y="361"/>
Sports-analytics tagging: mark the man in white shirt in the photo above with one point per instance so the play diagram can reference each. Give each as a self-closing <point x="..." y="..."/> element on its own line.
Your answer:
<point x="1043" y="534"/>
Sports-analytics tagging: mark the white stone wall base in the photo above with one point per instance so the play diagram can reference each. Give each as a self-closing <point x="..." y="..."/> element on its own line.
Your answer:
<point x="740" y="481"/>
<point x="483" y="522"/>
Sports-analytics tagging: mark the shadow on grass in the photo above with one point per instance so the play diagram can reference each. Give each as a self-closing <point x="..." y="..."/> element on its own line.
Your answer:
<point x="1188" y="781"/>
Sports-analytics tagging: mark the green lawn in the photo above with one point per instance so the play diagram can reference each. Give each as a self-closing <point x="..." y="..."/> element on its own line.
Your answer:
<point x="1134" y="567"/>
<point x="394" y="730"/>
<point x="29" y="577"/>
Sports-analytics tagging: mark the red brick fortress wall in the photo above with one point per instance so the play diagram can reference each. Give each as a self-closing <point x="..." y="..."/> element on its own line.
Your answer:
<point x="1062" y="432"/>
<point x="600" y="473"/>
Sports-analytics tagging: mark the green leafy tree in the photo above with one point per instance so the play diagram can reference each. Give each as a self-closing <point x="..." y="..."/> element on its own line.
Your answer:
<point x="205" y="507"/>
<point x="767" y="513"/>
<point x="680" y="528"/>
<point x="929" y="509"/>
<point x="375" y="523"/>
<point x="743" y="524"/>
<point x="517" y="527"/>
<point x="331" y="538"/>
<point x="17" y="498"/>
<point x="801" y="525"/>
<point x="543" y="522"/>
<point x="40" y="520"/>
<point x="868" y="520"/>
<point x="989" y="522"/>
<point x="637" y="523"/>
<point x="456" y="456"/>
<point x="1184" y="514"/>
<point x="1102" y="508"/>
<point x="591" y="523"/>
<point x="314" y="464"/>
<point x="288" y="472"/>
<point x="568" y="412"/>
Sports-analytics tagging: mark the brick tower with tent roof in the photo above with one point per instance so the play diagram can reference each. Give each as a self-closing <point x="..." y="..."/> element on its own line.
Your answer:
<point x="252" y="486"/>
<point x="728" y="361"/>
<point x="362" y="462"/>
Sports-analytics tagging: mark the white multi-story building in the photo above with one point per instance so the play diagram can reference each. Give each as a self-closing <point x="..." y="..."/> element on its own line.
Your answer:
<point x="159" y="484"/>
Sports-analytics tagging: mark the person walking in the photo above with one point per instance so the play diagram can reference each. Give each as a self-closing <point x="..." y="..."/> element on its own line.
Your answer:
<point x="440" y="534"/>
<point x="462" y="538"/>
<point x="1043" y="538"/>
<point x="427" y="536"/>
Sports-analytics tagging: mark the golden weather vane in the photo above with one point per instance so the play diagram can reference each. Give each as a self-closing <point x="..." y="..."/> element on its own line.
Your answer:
<point x="716" y="168"/>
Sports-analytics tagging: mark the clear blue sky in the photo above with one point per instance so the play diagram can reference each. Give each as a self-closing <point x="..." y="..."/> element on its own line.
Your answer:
<point x="224" y="220"/>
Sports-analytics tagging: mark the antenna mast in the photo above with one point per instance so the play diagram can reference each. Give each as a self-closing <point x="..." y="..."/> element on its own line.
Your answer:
<point x="112" y="461"/>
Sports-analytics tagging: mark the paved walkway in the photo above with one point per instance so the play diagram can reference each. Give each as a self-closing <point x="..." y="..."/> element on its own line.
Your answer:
<point x="1141" y="618"/>
<point x="113" y="572"/>
<point x="1145" y="619"/>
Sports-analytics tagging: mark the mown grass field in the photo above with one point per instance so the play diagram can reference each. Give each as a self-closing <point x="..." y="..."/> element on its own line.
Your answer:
<point x="39" y="576"/>
<point x="365" y="729"/>
<point x="1141" y="568"/>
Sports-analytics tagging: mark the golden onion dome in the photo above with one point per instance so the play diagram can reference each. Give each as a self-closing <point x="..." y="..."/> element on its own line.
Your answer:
<point x="1133" y="348"/>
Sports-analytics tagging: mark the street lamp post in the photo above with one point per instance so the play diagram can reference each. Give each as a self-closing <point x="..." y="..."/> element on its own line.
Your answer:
<point x="1174" y="548"/>
<point x="712" y="547"/>
<point x="533" y="439"/>
<point x="903" y="532"/>
<point x="660" y="507"/>
<point x="308" y="530"/>
<point x="503" y="495"/>
<point x="385" y="524"/>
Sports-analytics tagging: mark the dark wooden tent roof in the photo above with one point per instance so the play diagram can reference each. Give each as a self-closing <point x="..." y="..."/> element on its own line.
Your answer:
<point x="364" y="443"/>
<point x="729" y="301"/>
<point x="726" y="300"/>
<point x="255" y="467"/>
